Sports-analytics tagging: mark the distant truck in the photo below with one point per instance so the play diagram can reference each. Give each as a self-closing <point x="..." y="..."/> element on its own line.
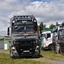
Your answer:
<point x="46" y="39"/>
<point x="24" y="36"/>
<point x="58" y="39"/>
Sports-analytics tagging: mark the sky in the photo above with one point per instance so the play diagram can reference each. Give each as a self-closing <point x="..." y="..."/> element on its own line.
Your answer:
<point x="46" y="11"/>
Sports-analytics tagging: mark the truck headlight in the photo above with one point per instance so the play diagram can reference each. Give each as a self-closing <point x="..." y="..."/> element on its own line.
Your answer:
<point x="37" y="47"/>
<point x="13" y="48"/>
<point x="13" y="21"/>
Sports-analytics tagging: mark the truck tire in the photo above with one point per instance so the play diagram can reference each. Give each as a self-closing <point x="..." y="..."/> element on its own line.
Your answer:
<point x="50" y="47"/>
<point x="36" y="56"/>
<point x="54" y="48"/>
<point x="11" y="56"/>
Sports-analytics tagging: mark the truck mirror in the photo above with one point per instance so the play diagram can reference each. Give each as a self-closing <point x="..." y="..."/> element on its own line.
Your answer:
<point x="40" y="30"/>
<point x="8" y="31"/>
<point x="35" y="26"/>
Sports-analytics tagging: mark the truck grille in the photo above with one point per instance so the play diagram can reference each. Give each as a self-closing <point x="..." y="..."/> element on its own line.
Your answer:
<point x="25" y="46"/>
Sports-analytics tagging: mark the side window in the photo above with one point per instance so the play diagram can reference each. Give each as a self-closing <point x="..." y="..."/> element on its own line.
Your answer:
<point x="48" y="35"/>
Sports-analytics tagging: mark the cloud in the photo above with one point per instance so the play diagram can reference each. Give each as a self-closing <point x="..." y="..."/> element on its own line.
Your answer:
<point x="9" y="1"/>
<point x="46" y="12"/>
<point x="25" y="2"/>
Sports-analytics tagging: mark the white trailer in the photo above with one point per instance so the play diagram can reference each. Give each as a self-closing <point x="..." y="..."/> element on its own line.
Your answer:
<point x="46" y="41"/>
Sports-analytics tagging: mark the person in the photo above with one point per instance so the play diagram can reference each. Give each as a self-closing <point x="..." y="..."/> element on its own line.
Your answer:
<point x="57" y="45"/>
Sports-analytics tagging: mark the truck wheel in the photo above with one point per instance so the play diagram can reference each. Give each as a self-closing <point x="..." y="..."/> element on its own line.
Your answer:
<point x="11" y="55"/>
<point x="50" y="47"/>
<point x="36" y="56"/>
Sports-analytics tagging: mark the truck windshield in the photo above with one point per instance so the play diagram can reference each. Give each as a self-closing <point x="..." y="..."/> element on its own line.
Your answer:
<point x="22" y="26"/>
<point x="27" y="28"/>
<point x="47" y="35"/>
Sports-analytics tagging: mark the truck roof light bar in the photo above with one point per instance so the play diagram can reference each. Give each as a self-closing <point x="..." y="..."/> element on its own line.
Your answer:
<point x="23" y="17"/>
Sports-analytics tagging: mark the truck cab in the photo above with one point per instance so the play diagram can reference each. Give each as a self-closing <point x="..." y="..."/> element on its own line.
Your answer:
<point x="58" y="39"/>
<point x="24" y="36"/>
<point x="46" y="39"/>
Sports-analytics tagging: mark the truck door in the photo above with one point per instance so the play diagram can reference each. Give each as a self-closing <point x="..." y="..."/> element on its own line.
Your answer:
<point x="49" y="38"/>
<point x="43" y="42"/>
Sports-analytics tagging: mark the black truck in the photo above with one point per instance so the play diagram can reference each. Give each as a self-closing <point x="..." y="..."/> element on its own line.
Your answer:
<point x="24" y="36"/>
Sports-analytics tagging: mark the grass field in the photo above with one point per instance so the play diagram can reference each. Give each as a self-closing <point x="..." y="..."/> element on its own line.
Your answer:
<point x="5" y="59"/>
<point x="51" y="55"/>
<point x="45" y="55"/>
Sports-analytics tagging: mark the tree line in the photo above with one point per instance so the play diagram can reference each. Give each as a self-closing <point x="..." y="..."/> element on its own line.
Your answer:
<point x="43" y="26"/>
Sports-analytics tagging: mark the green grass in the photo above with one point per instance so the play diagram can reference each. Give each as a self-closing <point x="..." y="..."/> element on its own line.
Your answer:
<point x="5" y="59"/>
<point x="51" y="55"/>
<point x="45" y="55"/>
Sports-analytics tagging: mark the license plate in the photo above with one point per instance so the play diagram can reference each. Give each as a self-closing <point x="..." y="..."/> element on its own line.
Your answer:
<point x="26" y="51"/>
